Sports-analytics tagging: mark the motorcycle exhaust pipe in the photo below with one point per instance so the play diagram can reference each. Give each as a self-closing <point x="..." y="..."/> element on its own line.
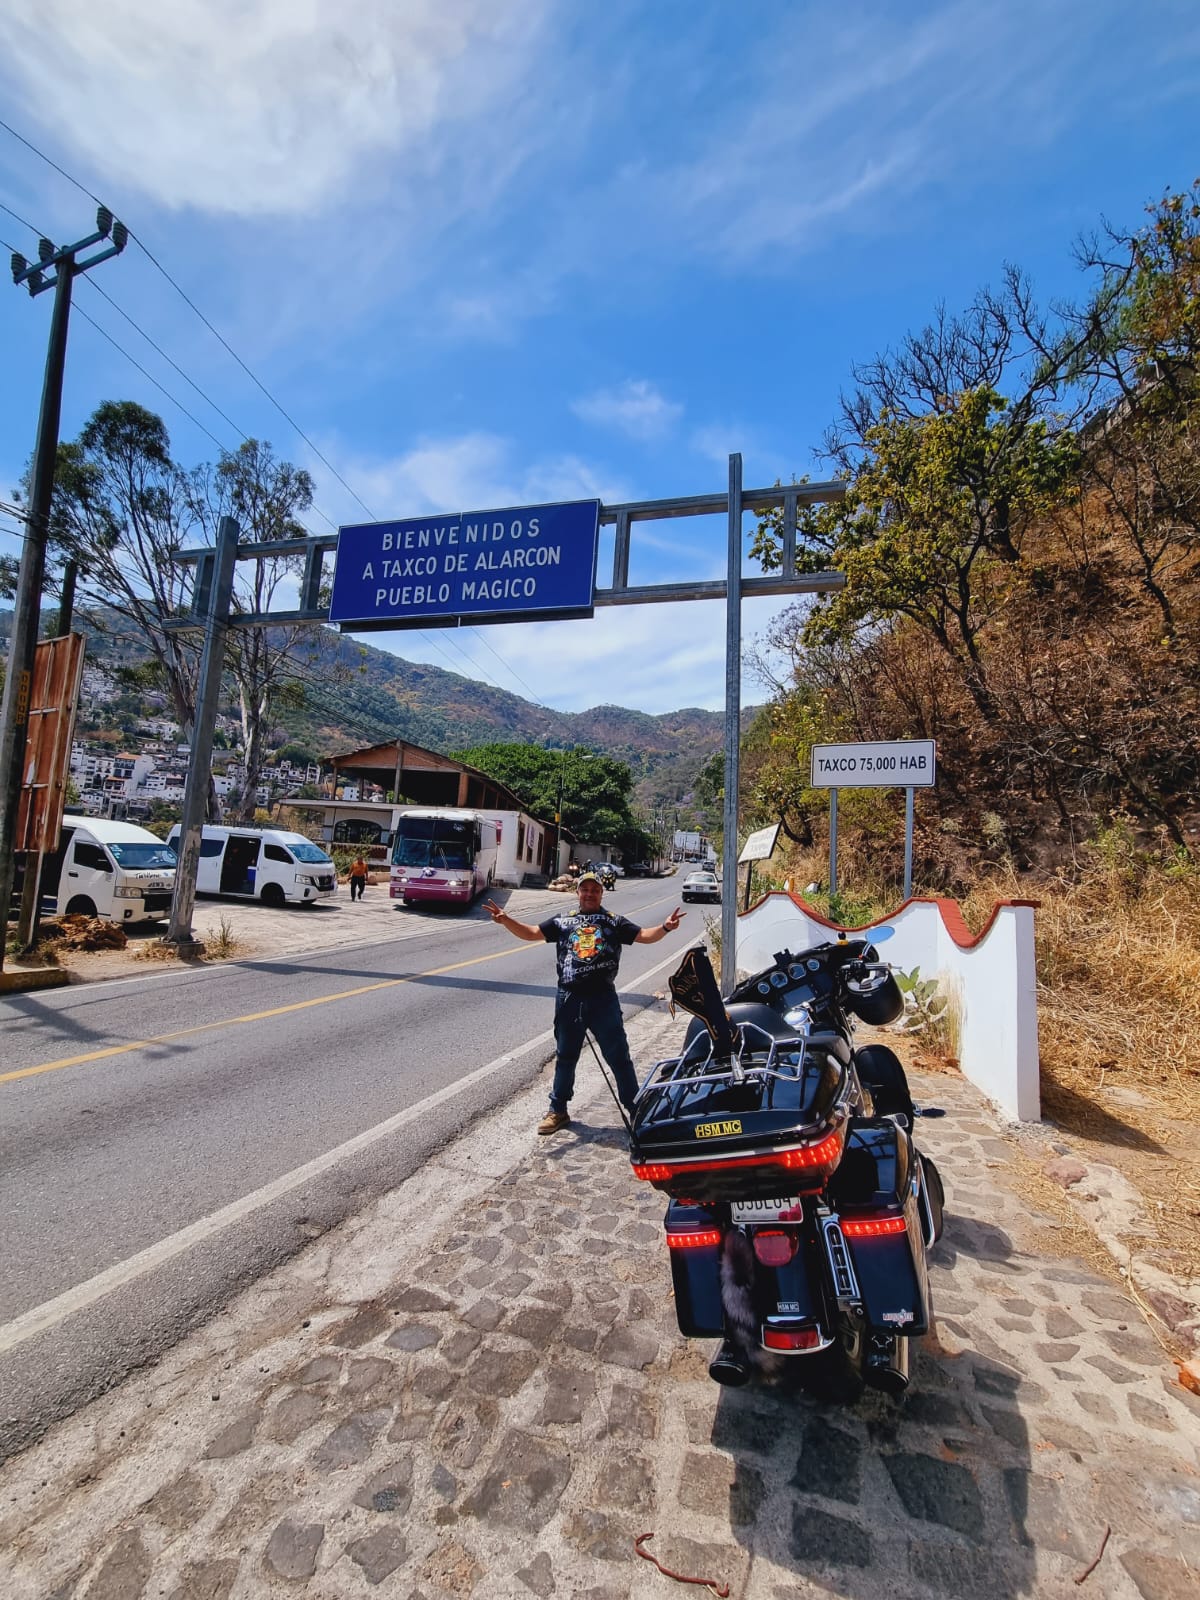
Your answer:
<point x="887" y="1364"/>
<point x="729" y="1366"/>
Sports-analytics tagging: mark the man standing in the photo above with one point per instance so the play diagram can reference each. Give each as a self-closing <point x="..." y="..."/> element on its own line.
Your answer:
<point x="588" y="953"/>
<point x="358" y="876"/>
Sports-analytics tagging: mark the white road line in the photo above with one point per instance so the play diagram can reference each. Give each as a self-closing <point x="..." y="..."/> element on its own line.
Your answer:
<point x="48" y="1315"/>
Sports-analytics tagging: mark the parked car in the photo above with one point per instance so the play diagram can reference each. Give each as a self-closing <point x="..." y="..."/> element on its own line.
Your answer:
<point x="701" y="886"/>
<point x="617" y="870"/>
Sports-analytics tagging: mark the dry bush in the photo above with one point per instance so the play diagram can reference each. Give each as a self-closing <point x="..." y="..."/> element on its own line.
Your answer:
<point x="1118" y="969"/>
<point x="75" y="932"/>
<point x="1118" y="957"/>
<point x="220" y="942"/>
<point x="156" y="950"/>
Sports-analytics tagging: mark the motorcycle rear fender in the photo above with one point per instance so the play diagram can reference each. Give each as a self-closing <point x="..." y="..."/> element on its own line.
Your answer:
<point x="932" y="1198"/>
<point x="790" y="1293"/>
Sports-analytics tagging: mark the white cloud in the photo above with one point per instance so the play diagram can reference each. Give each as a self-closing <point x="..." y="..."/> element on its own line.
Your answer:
<point x="470" y="471"/>
<point x="653" y="658"/>
<point x="635" y="408"/>
<point x="269" y="107"/>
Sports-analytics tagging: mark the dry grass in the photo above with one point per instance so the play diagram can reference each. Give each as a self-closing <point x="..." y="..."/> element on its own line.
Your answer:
<point x="156" y="950"/>
<point x="219" y="941"/>
<point x="1118" y="951"/>
<point x="1118" y="980"/>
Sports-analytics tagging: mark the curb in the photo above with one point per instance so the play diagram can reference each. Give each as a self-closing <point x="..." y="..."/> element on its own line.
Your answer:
<point x="22" y="982"/>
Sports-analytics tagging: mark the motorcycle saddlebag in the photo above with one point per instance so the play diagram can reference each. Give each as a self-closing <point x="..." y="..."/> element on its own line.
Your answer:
<point x="876" y="1191"/>
<point x="694" y="1245"/>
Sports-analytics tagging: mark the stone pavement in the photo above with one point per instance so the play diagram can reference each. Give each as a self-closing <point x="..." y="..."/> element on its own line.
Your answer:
<point x="477" y="1388"/>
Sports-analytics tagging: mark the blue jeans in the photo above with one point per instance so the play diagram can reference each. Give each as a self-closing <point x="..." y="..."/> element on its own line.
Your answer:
<point x="574" y="1014"/>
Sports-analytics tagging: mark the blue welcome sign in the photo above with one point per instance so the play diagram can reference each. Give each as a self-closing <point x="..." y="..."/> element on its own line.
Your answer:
<point x="523" y="564"/>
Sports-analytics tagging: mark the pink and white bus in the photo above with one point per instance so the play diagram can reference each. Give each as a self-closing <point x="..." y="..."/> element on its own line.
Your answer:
<point x="443" y="855"/>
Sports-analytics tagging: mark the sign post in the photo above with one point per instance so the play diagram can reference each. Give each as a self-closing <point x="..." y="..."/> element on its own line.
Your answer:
<point x="760" y="846"/>
<point x="881" y="764"/>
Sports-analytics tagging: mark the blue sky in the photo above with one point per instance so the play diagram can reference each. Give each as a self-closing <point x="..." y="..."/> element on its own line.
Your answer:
<point x="490" y="254"/>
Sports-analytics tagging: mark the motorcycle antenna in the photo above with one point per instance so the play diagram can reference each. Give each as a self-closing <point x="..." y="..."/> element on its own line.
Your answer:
<point x="625" y="1118"/>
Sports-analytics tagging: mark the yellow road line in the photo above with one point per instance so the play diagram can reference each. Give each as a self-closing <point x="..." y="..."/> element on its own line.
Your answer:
<point x="252" y="1016"/>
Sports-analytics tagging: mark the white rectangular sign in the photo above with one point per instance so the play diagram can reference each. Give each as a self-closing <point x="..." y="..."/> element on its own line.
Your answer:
<point x="899" y="764"/>
<point x="758" y="846"/>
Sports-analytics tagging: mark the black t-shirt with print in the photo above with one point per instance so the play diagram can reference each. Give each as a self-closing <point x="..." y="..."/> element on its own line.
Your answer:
<point x="589" y="946"/>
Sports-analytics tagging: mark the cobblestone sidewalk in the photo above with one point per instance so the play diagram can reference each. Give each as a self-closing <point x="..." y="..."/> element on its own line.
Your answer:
<point x="485" y="1394"/>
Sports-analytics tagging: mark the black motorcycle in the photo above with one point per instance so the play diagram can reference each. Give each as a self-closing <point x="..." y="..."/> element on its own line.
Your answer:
<point x="800" y="1210"/>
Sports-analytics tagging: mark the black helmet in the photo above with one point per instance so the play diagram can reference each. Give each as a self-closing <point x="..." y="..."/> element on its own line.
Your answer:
<point x="875" y="998"/>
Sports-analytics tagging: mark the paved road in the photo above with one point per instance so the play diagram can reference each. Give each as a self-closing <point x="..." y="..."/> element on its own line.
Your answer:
<point x="165" y="1140"/>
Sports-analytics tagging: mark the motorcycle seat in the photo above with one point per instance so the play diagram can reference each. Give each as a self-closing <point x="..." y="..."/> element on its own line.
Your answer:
<point x="832" y="1043"/>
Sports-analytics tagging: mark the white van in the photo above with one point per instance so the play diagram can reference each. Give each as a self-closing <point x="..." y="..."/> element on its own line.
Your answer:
<point x="114" y="870"/>
<point x="267" y="864"/>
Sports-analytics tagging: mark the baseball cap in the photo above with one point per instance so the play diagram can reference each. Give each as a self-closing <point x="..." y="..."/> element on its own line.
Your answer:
<point x="588" y="877"/>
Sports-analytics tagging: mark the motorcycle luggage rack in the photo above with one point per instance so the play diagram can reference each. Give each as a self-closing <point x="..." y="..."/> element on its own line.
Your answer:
<point x="784" y="1061"/>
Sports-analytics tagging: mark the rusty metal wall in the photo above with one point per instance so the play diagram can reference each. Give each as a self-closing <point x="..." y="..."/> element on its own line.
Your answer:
<point x="53" y="701"/>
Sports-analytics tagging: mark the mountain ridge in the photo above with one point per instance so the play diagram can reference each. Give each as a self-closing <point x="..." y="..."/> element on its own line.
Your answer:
<point x="355" y="694"/>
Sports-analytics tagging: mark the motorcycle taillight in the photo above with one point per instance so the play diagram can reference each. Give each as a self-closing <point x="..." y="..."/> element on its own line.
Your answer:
<point x="872" y="1227"/>
<point x="775" y="1247"/>
<point x="791" y="1338"/>
<point x="814" y="1161"/>
<point x="693" y="1238"/>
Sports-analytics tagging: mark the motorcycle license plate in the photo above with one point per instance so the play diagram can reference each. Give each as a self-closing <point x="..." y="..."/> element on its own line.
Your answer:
<point x="781" y="1209"/>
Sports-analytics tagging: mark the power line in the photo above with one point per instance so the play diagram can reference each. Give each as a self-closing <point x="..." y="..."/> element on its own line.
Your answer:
<point x="241" y="432"/>
<point x="103" y="332"/>
<point x="153" y="259"/>
<point x="21" y="220"/>
<point x="22" y="140"/>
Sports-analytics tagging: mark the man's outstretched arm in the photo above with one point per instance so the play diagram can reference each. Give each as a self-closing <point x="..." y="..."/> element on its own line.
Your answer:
<point x="523" y="930"/>
<point x="666" y="926"/>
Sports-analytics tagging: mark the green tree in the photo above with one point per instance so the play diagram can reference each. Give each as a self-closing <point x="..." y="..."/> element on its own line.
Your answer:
<point x="121" y="509"/>
<point x="595" y="789"/>
<point x="300" y="755"/>
<point x="932" y="524"/>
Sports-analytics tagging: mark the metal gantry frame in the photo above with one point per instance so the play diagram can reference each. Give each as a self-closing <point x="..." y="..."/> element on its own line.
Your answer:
<point x="212" y="590"/>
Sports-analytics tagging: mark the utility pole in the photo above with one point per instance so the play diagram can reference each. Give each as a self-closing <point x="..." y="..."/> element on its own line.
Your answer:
<point x="218" y="583"/>
<point x="562" y="773"/>
<point x="54" y="269"/>
<point x="558" y="819"/>
<point x="733" y="727"/>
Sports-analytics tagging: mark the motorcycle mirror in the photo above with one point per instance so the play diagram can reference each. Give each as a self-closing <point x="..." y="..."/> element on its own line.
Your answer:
<point x="878" y="935"/>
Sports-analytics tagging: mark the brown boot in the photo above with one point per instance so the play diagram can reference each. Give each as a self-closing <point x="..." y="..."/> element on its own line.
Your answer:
<point x="553" y="1121"/>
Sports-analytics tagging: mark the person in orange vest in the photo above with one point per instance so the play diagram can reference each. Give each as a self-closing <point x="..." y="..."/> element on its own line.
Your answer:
<point x="358" y="876"/>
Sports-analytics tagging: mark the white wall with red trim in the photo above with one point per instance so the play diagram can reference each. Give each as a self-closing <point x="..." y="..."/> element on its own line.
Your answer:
<point x="992" y="974"/>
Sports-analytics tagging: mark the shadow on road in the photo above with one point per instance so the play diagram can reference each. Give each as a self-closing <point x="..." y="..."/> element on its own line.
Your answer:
<point x="887" y="1493"/>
